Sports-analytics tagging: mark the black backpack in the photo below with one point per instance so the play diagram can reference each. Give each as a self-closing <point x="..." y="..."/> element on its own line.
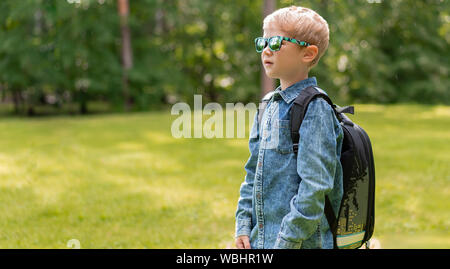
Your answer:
<point x="354" y="224"/>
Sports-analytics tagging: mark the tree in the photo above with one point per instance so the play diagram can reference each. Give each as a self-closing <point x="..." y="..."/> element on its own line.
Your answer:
<point x="266" y="82"/>
<point x="127" y="55"/>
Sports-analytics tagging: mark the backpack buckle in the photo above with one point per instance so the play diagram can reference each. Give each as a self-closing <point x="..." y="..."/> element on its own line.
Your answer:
<point x="345" y="109"/>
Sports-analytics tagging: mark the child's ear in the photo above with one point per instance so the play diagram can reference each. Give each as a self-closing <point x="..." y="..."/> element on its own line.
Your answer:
<point x="310" y="53"/>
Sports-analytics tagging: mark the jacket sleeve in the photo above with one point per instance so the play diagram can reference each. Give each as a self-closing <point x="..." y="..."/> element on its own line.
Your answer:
<point x="244" y="208"/>
<point x="316" y="166"/>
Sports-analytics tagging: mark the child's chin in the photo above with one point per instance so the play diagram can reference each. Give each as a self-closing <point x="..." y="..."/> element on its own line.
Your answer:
<point x="271" y="74"/>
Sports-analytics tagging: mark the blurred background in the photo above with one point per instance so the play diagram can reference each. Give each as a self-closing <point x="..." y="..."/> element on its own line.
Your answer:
<point x="86" y="88"/>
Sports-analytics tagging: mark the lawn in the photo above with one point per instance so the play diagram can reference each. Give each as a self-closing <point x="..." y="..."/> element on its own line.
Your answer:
<point x="122" y="180"/>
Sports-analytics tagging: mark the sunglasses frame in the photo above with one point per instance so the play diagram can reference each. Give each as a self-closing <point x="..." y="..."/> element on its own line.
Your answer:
<point x="281" y="38"/>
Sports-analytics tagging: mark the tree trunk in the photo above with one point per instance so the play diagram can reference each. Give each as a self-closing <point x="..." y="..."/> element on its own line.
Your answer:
<point x="3" y="92"/>
<point x="30" y="111"/>
<point x="83" y="101"/>
<point x="267" y="84"/>
<point x="16" y="100"/>
<point x="127" y="56"/>
<point x="160" y="20"/>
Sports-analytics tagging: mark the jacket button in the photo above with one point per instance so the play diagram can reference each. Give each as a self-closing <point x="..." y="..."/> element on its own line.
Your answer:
<point x="258" y="196"/>
<point x="260" y="226"/>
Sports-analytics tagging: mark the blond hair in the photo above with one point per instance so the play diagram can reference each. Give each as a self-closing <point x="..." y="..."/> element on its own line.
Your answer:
<point x="302" y="24"/>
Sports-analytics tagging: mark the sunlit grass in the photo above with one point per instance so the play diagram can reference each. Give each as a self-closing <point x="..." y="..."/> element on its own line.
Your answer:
<point x="122" y="180"/>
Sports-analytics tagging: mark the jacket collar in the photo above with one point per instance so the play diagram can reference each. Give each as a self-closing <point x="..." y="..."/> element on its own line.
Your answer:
<point x="291" y="92"/>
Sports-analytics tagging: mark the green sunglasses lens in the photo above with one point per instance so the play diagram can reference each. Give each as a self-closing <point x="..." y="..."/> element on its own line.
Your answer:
<point x="275" y="43"/>
<point x="260" y="44"/>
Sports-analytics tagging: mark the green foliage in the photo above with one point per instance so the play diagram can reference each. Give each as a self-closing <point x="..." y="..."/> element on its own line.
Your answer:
<point x="58" y="52"/>
<point x="54" y="52"/>
<point x="388" y="52"/>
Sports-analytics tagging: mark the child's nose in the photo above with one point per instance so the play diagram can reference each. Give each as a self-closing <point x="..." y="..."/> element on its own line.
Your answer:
<point x="267" y="51"/>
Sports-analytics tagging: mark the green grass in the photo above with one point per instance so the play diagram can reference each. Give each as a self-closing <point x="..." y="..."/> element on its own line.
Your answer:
<point x="122" y="180"/>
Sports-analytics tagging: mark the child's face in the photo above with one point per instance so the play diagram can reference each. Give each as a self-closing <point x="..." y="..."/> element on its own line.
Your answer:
<point x="286" y="62"/>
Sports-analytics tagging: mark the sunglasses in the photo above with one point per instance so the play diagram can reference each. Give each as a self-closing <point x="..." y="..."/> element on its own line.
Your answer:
<point x="275" y="43"/>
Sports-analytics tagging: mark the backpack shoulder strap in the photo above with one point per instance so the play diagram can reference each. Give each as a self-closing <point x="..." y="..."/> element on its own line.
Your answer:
<point x="298" y="111"/>
<point x="299" y="107"/>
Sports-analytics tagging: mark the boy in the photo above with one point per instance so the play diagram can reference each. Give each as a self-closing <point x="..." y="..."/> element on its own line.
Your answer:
<point x="281" y="203"/>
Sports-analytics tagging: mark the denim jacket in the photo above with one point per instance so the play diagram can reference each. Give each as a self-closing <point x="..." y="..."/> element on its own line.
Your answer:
<point x="282" y="198"/>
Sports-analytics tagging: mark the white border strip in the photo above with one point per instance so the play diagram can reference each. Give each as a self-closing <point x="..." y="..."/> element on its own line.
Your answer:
<point x="348" y="239"/>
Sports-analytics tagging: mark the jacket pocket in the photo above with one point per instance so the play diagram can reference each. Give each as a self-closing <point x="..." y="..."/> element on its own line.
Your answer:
<point x="284" y="137"/>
